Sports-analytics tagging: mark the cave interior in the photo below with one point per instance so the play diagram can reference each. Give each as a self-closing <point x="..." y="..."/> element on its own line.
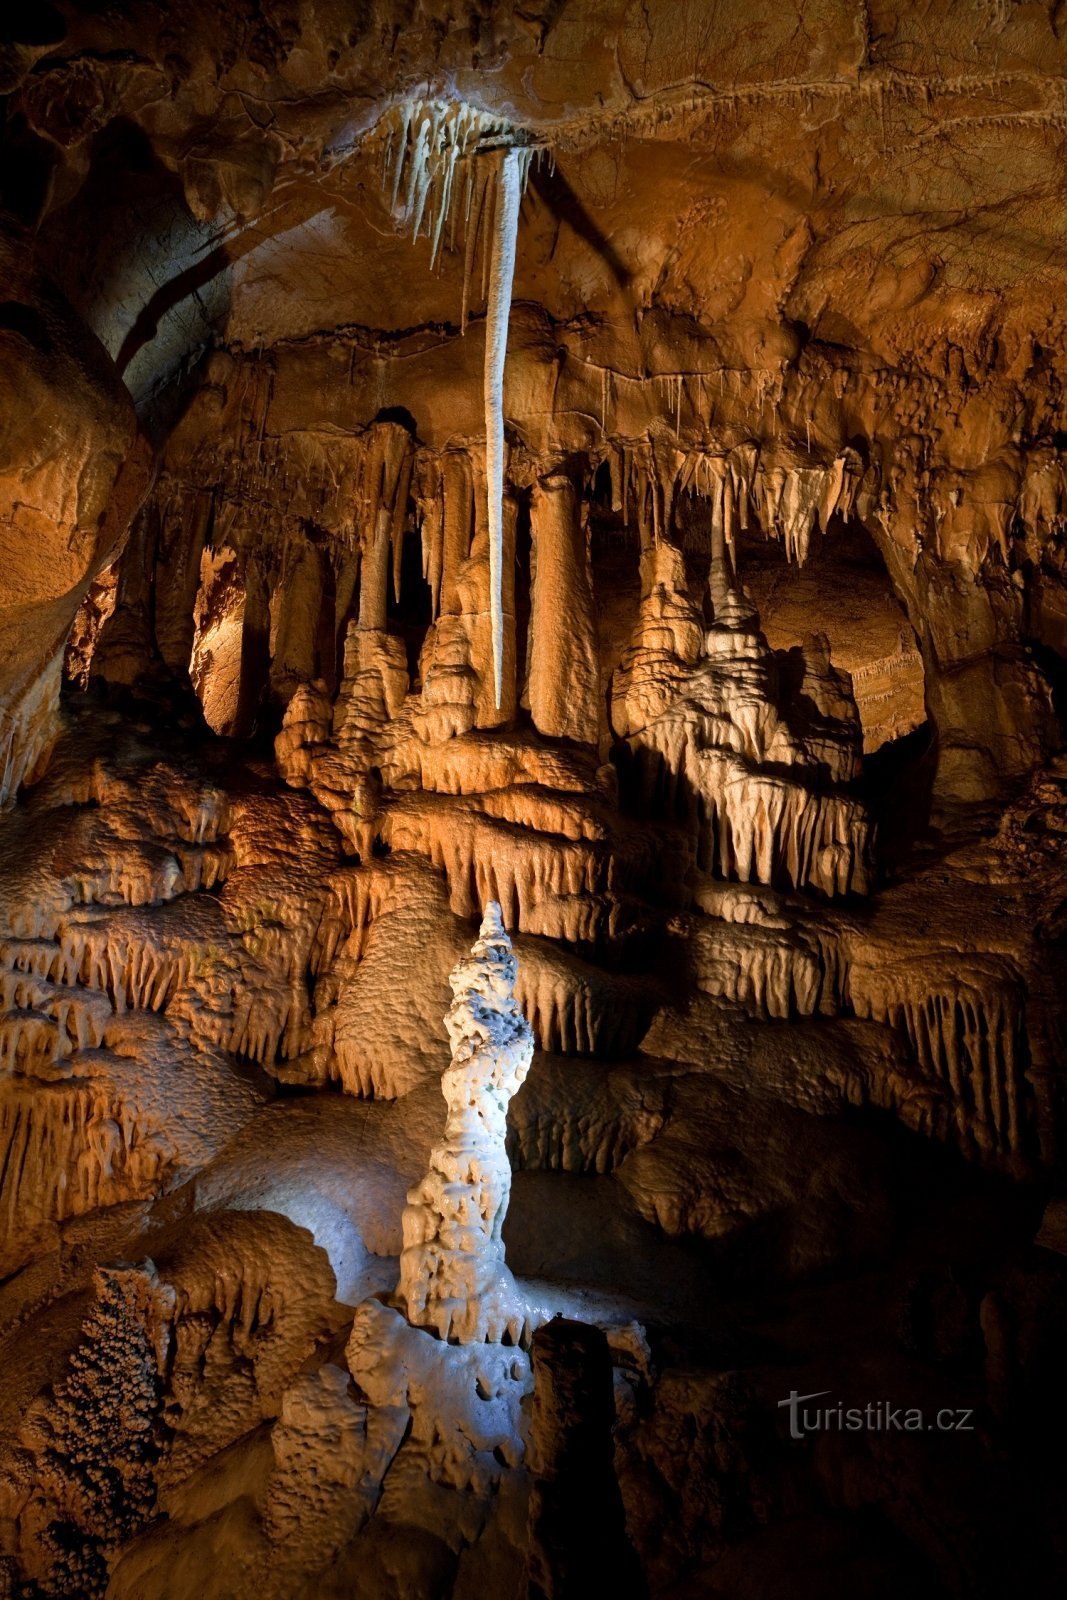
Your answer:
<point x="533" y="890"/>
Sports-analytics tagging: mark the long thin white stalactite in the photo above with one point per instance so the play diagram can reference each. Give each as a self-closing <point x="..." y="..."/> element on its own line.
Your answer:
<point x="429" y="139"/>
<point x="510" y="180"/>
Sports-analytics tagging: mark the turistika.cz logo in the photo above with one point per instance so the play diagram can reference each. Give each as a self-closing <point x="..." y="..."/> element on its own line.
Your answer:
<point x="877" y="1416"/>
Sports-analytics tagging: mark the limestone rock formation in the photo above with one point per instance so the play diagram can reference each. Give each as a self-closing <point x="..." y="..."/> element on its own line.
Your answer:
<point x="713" y="747"/>
<point x="453" y="1276"/>
<point x="70" y="478"/>
<point x="598" y="471"/>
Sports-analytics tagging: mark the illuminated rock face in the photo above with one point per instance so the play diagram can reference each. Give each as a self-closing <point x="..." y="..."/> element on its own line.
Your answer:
<point x="71" y="475"/>
<point x="761" y="783"/>
<point x="452" y="1272"/>
<point x="596" y="471"/>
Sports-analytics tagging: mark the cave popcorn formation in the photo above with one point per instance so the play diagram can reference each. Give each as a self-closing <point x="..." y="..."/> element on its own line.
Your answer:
<point x="452" y="1271"/>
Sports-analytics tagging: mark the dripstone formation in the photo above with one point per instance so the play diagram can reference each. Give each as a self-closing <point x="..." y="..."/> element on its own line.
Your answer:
<point x="593" y="473"/>
<point x="452" y="1271"/>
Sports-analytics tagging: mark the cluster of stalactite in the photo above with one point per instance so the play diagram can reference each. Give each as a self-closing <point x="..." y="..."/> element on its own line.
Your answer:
<point x="125" y="990"/>
<point x="322" y="491"/>
<point x="100" y="1101"/>
<point x="316" y="635"/>
<point x="364" y="488"/>
<point x="970" y="1035"/>
<point x="768" y="428"/>
<point x="274" y="565"/>
<point x="433" y="141"/>
<point x="340" y="503"/>
<point x="763" y="802"/>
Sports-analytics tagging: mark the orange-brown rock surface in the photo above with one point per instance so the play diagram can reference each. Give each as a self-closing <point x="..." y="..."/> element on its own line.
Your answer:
<point x="605" y="461"/>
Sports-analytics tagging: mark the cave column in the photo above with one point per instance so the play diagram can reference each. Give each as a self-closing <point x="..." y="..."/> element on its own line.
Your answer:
<point x="473" y="595"/>
<point x="125" y="648"/>
<point x="988" y="701"/>
<point x="564" y="676"/>
<point x="457" y="494"/>
<point x="346" y="601"/>
<point x="719" y="571"/>
<point x="296" y="650"/>
<point x="578" y="1543"/>
<point x="497" y="711"/>
<point x="374" y="576"/>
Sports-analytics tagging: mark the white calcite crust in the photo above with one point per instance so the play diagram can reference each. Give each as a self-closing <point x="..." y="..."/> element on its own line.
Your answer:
<point x="453" y="1277"/>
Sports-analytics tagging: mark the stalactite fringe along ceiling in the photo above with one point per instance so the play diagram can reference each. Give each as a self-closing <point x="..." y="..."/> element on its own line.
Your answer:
<point x="533" y="907"/>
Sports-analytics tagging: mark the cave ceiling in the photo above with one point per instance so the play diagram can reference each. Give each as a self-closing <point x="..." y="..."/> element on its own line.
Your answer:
<point x="887" y="185"/>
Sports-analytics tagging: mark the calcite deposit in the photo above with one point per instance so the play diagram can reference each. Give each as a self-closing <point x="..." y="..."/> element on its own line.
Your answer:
<point x="533" y="907"/>
<point x="452" y="1272"/>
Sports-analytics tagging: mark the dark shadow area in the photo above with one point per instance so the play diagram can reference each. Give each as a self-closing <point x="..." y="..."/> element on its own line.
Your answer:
<point x="1054" y="668"/>
<point x="26" y="171"/>
<point x="410" y="613"/>
<point x="897" y="786"/>
<point x="552" y="187"/>
<point x="32" y="22"/>
<point x="26" y="322"/>
<point x="844" y="591"/>
<point x="146" y="279"/>
<point x="398" y="414"/>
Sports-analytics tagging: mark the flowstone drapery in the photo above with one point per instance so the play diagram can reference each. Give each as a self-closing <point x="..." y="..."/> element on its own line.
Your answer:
<point x="452" y="1272"/>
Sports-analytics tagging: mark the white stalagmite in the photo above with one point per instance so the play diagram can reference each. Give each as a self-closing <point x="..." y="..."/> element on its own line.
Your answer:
<point x="453" y="1276"/>
<point x="510" y="178"/>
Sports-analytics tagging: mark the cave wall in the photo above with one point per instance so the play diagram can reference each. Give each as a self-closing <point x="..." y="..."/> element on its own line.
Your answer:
<point x="72" y="477"/>
<point x="284" y="432"/>
<point x="784" y="276"/>
<point x="766" y="304"/>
